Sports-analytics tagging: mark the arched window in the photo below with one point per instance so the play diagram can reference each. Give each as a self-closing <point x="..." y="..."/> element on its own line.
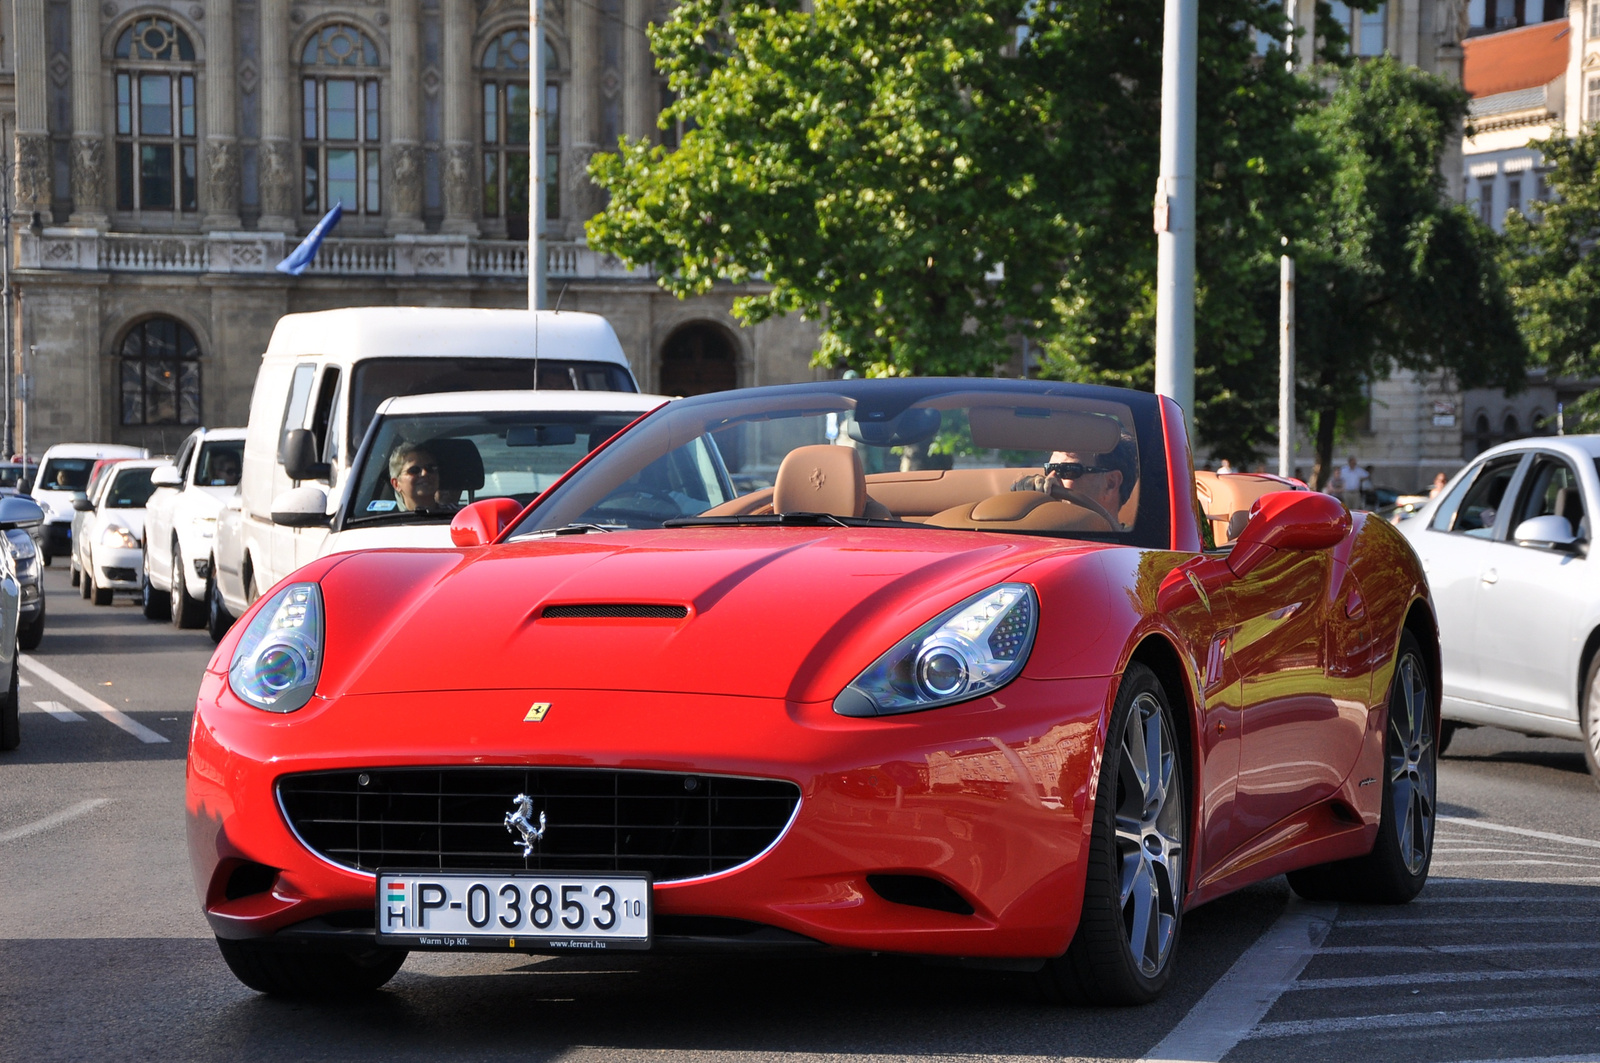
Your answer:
<point x="340" y="122"/>
<point x="160" y="374"/>
<point x="507" y="113"/>
<point x="1513" y="427"/>
<point x="1481" y="432"/>
<point x="157" y="142"/>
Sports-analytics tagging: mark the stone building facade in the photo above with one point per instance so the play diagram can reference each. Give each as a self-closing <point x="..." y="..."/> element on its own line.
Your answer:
<point x="167" y="154"/>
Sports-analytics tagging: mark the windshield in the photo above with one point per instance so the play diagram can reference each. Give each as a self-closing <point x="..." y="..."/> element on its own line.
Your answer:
<point x="130" y="490"/>
<point x="992" y="455"/>
<point x="425" y="467"/>
<point x="66" y="474"/>
<point x="12" y="475"/>
<point x="219" y="463"/>
<point x="377" y="379"/>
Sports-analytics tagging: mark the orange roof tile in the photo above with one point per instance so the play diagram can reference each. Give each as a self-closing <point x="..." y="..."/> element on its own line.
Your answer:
<point x="1515" y="59"/>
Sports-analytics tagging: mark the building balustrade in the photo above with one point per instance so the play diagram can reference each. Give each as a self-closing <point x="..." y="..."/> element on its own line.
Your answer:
<point x="404" y="255"/>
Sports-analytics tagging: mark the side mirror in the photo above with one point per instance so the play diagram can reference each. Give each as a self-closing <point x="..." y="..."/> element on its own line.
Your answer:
<point x="166" y="476"/>
<point x="82" y="504"/>
<point x="19" y="511"/>
<point x="482" y="522"/>
<point x="1289" y="520"/>
<point x="299" y="456"/>
<point x="303" y="507"/>
<point x="1551" y="531"/>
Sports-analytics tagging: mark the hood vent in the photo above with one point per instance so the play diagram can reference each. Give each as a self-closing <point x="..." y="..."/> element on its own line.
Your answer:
<point x="614" y="610"/>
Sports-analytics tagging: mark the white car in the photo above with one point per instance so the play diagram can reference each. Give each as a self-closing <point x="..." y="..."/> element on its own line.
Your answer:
<point x="1507" y="548"/>
<point x="109" y="550"/>
<point x="180" y="521"/>
<point x="63" y="475"/>
<point x="471" y="444"/>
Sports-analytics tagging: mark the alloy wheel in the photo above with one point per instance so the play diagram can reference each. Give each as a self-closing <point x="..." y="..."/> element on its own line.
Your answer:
<point x="1411" y="764"/>
<point x="1150" y="835"/>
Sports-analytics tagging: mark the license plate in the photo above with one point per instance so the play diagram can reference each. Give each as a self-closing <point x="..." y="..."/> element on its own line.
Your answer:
<point x="535" y="910"/>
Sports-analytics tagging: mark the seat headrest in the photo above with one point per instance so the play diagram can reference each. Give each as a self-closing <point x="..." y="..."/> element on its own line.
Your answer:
<point x="821" y="479"/>
<point x="460" y="464"/>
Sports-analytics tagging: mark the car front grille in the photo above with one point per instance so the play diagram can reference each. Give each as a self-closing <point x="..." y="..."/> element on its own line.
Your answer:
<point x="122" y="575"/>
<point x="671" y="825"/>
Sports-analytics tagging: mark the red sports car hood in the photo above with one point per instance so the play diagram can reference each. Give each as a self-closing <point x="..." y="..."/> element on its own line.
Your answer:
<point x="770" y="612"/>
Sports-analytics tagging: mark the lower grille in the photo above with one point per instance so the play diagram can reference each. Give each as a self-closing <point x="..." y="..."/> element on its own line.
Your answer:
<point x="123" y="574"/>
<point x="453" y="819"/>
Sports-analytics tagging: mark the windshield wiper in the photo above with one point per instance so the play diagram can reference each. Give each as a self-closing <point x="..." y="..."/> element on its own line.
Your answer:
<point x="781" y="519"/>
<point x="580" y="528"/>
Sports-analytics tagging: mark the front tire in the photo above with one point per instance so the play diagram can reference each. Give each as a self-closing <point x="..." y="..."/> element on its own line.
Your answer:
<point x="310" y="972"/>
<point x="97" y="594"/>
<point x="187" y="611"/>
<point x="1397" y="867"/>
<point x="1127" y="937"/>
<point x="1589" y="719"/>
<point x="29" y="636"/>
<point x="77" y="575"/>
<point x="218" y="619"/>
<point x="10" y="712"/>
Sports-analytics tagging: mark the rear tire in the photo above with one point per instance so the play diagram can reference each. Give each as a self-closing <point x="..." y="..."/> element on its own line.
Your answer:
<point x="1397" y="867"/>
<point x="186" y="610"/>
<point x="310" y="972"/>
<point x="1127" y="936"/>
<point x="10" y="712"/>
<point x="154" y="603"/>
<point x="218" y="619"/>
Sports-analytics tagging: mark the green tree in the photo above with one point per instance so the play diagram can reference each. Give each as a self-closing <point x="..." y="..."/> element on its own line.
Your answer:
<point x="1552" y="266"/>
<point x="1391" y="275"/>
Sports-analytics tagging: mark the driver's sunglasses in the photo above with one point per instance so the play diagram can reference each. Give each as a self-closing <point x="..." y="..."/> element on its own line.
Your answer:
<point x="1071" y="470"/>
<point x="418" y="470"/>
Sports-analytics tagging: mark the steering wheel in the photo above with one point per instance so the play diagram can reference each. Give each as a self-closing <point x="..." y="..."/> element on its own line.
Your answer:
<point x="1078" y="498"/>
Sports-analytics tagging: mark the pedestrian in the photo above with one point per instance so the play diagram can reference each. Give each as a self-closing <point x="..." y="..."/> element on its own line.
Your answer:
<point x="1349" y="483"/>
<point x="1438" y="485"/>
<point x="1224" y="467"/>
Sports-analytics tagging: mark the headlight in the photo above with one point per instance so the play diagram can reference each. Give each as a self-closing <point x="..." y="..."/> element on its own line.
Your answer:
<point x="276" y="664"/>
<point x="22" y="547"/>
<point x="964" y="652"/>
<point x="117" y="535"/>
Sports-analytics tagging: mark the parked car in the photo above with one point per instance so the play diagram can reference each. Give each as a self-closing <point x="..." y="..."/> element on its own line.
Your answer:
<point x="325" y="374"/>
<point x="17" y="514"/>
<point x="1012" y="709"/>
<point x="109" y="547"/>
<point x="1507" y="547"/>
<point x="180" y="522"/>
<point x="63" y="475"/>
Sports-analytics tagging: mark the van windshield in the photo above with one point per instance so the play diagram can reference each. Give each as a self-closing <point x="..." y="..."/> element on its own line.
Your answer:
<point x="66" y="474"/>
<point x="376" y="379"/>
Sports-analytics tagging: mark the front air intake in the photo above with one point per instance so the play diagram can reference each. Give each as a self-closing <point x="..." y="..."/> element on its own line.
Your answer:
<point x="615" y="610"/>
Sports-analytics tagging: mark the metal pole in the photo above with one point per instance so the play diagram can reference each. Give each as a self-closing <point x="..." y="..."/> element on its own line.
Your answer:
<point x="538" y="298"/>
<point x="1286" y="425"/>
<point x="6" y="439"/>
<point x="26" y="387"/>
<point x="1174" y="207"/>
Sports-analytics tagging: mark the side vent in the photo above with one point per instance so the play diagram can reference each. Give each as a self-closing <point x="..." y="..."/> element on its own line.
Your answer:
<point x="614" y="610"/>
<point x="919" y="891"/>
<point x="249" y="879"/>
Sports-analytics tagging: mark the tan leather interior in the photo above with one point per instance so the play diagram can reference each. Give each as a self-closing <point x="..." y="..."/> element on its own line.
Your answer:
<point x="824" y="479"/>
<point x="1021" y="510"/>
<point x="1227" y="500"/>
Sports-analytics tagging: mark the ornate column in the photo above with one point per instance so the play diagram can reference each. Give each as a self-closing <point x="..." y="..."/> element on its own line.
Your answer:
<point x="279" y="202"/>
<point x="221" y="189"/>
<point x="638" y="80"/>
<point x="404" y="148"/>
<point x="460" y="145"/>
<point x="583" y="27"/>
<point x="88" y="142"/>
<point x="33" y="128"/>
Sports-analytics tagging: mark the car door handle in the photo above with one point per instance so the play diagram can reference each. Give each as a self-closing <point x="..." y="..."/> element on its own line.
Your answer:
<point x="1490" y="576"/>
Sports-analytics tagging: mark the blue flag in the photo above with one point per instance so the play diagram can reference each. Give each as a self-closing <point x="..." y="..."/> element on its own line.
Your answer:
<point x="301" y="256"/>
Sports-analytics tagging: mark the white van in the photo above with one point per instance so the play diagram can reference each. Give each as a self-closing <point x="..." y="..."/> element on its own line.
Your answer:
<point x="63" y="474"/>
<point x="324" y="375"/>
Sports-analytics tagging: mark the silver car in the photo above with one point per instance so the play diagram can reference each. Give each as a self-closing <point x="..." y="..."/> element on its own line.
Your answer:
<point x="17" y="513"/>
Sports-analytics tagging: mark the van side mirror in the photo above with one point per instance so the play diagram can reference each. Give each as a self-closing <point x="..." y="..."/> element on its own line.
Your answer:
<point x="303" y="507"/>
<point x="482" y="522"/>
<point x="18" y="511"/>
<point x="299" y="456"/>
<point x="1289" y="520"/>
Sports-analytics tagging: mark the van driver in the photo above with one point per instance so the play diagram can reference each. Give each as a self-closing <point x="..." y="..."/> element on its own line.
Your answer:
<point x="414" y="475"/>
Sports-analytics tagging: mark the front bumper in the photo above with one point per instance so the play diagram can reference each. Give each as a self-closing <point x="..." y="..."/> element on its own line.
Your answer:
<point x="991" y="799"/>
<point x="118" y="568"/>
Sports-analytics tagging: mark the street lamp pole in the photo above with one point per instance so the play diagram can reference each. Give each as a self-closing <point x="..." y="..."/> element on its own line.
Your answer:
<point x="5" y="288"/>
<point x="538" y="297"/>
<point x="1174" y="206"/>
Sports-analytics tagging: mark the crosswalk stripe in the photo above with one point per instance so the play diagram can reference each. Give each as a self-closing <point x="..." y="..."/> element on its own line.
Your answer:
<point x="112" y="715"/>
<point x="59" y="711"/>
<point x="1564" y="839"/>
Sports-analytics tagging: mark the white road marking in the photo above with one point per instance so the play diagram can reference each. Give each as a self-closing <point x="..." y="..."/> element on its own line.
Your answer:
<point x="1452" y="950"/>
<point x="1565" y="839"/>
<point x="55" y="819"/>
<point x="1423" y="978"/>
<point x="1233" y="1006"/>
<point x="1539" y="1059"/>
<point x="1412" y="1020"/>
<point x="1427" y="900"/>
<point x="22" y="681"/>
<point x="59" y="711"/>
<point x="114" y="716"/>
<point x="1450" y="919"/>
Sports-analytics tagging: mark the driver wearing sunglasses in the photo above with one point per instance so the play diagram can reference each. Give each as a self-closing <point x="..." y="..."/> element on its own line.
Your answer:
<point x="1105" y="478"/>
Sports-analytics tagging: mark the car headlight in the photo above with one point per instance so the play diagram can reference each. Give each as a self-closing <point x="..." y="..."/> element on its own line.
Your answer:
<point x="117" y="535"/>
<point x="964" y="652"/>
<point x="276" y="663"/>
<point x="22" y="547"/>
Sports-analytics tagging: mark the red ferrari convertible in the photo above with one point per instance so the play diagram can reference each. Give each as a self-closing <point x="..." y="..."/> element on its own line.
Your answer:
<point x="960" y="668"/>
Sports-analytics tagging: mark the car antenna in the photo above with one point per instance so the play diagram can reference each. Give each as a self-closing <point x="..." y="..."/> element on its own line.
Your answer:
<point x="562" y="295"/>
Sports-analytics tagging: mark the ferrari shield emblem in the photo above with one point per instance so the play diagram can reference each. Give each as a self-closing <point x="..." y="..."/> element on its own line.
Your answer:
<point x="536" y="712"/>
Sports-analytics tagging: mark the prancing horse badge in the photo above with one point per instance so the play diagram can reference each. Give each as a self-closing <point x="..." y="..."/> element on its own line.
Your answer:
<point x="536" y="712"/>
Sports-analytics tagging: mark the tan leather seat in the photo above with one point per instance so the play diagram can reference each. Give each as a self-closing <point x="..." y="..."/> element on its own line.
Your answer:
<point x="1021" y="510"/>
<point x="824" y="479"/>
<point x="1227" y="499"/>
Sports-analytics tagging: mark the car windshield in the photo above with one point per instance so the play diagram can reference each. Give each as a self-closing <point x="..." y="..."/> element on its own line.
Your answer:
<point x="425" y="467"/>
<point x="130" y="490"/>
<point x="66" y="474"/>
<point x="220" y="462"/>
<point x="12" y="475"/>
<point x="1024" y="457"/>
